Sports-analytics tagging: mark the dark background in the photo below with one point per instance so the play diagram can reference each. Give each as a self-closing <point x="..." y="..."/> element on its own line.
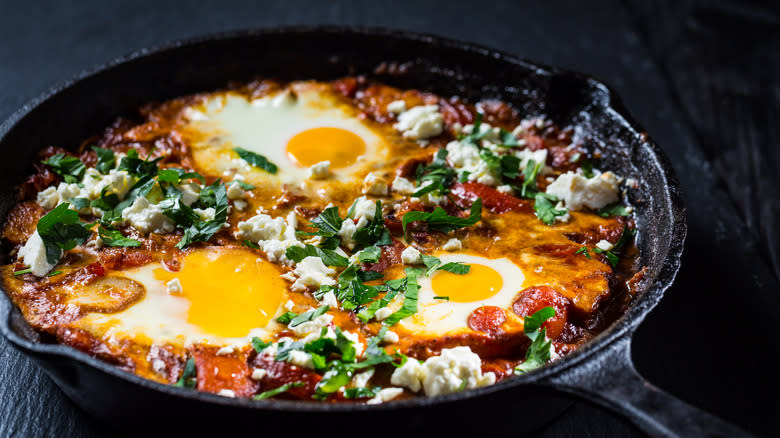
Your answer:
<point x="702" y="77"/>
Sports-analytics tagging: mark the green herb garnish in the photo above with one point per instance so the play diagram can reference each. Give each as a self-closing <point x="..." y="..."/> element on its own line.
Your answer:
<point x="256" y="160"/>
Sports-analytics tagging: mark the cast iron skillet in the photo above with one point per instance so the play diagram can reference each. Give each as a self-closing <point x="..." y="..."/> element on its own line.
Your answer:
<point x="600" y="371"/>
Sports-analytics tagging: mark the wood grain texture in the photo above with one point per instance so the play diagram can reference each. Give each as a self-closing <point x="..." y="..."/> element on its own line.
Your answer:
<point x="726" y="293"/>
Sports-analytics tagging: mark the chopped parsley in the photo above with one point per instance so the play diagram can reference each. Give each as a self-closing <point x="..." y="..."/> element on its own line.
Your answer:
<point x="23" y="271"/>
<point x="106" y="160"/>
<point x="61" y="231"/>
<point x="362" y="392"/>
<point x="539" y="351"/>
<point x="328" y="256"/>
<point x="434" y="264"/>
<point x="188" y="378"/>
<point x="115" y="238"/>
<point x="370" y="254"/>
<point x="544" y="208"/>
<point x="276" y="391"/>
<point x="138" y="167"/>
<point x="258" y="344"/>
<point x="584" y="251"/>
<point x="438" y="175"/>
<point x="70" y="168"/>
<point x="375" y="232"/>
<point x="614" y="210"/>
<point x="308" y="316"/>
<point x="249" y="243"/>
<point x="409" y="306"/>
<point x="439" y="220"/>
<point x="256" y="160"/>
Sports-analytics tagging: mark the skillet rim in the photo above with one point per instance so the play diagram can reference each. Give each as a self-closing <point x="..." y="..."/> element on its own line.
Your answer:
<point x="619" y="329"/>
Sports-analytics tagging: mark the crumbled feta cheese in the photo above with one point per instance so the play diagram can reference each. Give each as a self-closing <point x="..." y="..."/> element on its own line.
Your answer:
<point x="48" y="198"/>
<point x="430" y="199"/>
<point x="396" y="107"/>
<point x="173" y="287"/>
<point x="289" y="305"/>
<point x="410" y="256"/>
<point x="454" y="369"/>
<point x="33" y="254"/>
<point x="409" y="375"/>
<point x="190" y="193"/>
<point x="385" y="394"/>
<point x="355" y="339"/>
<point x="361" y="380"/>
<point x="539" y="156"/>
<point x="234" y="191"/>
<point x="206" y="214"/>
<point x="258" y="374"/>
<point x="117" y="182"/>
<point x="564" y="217"/>
<point x="464" y="157"/>
<point x="390" y="337"/>
<point x="320" y="170"/>
<point x="236" y="166"/>
<point x="374" y="185"/>
<point x="489" y="133"/>
<point x="227" y="393"/>
<point x="504" y="189"/>
<point x="383" y="313"/>
<point x="272" y="235"/>
<point x="403" y="186"/>
<point x="452" y="245"/>
<point x="311" y="272"/>
<point x="312" y="327"/>
<point x="224" y="351"/>
<point x="577" y="191"/>
<point x="147" y="218"/>
<point x="301" y="359"/>
<point x="329" y="299"/>
<point x="420" y="122"/>
<point x="604" y="245"/>
<point x="363" y="211"/>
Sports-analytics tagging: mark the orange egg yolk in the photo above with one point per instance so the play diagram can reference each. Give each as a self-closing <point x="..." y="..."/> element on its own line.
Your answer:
<point x="480" y="283"/>
<point x="339" y="146"/>
<point x="230" y="291"/>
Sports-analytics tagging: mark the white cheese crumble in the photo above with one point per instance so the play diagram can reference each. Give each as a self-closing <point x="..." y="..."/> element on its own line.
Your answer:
<point x="205" y="214"/>
<point x="539" y="156"/>
<point x="383" y="313"/>
<point x="272" y="235"/>
<point x="420" y="122"/>
<point x="33" y="254"/>
<point x="564" y="217"/>
<point x="173" y="287"/>
<point x="234" y="191"/>
<point x="363" y="211"/>
<point x="190" y="193"/>
<point x="430" y="199"/>
<point x="452" y="245"/>
<point x="224" y="351"/>
<point x="390" y="337"/>
<point x="455" y="369"/>
<point x="314" y="326"/>
<point x="301" y="359"/>
<point x="227" y="393"/>
<point x="411" y="256"/>
<point x="311" y="272"/>
<point x="577" y="191"/>
<point x="355" y="339"/>
<point x="505" y="189"/>
<point x="403" y="186"/>
<point x="147" y="217"/>
<point x="361" y="379"/>
<point x="464" y="157"/>
<point x="385" y="394"/>
<point x="329" y="299"/>
<point x="289" y="305"/>
<point x="320" y="170"/>
<point x="236" y="166"/>
<point x="258" y="374"/>
<point x="396" y="107"/>
<point x="374" y="185"/>
<point x="604" y="245"/>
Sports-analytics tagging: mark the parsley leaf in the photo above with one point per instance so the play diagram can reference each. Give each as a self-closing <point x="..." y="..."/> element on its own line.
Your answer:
<point x="71" y="169"/>
<point x="106" y="160"/>
<point x="370" y="255"/>
<point x="256" y="160"/>
<point x="329" y="257"/>
<point x="362" y="392"/>
<point x="409" y="306"/>
<point x="439" y="220"/>
<point x="434" y="264"/>
<point x="286" y="317"/>
<point x="175" y="175"/>
<point x="351" y="291"/>
<point x="538" y="352"/>
<point x="369" y="311"/>
<point x="508" y="139"/>
<point x="308" y="316"/>
<point x="138" y="167"/>
<point x="583" y="251"/>
<point x="113" y="237"/>
<point x="532" y="169"/>
<point x="276" y="391"/>
<point x="61" y="231"/>
<point x="188" y="377"/>
<point x="613" y="210"/>
<point x="258" y="344"/>
<point x="22" y="271"/>
<point x="375" y="232"/>
<point x="439" y="175"/>
<point x="545" y="209"/>
<point x="195" y="229"/>
<point x="328" y="222"/>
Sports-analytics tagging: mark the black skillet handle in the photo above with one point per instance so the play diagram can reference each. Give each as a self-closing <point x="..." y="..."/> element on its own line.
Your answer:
<point x="612" y="381"/>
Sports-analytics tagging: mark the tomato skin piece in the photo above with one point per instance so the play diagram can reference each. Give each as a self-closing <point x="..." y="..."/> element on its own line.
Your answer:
<point x="497" y="202"/>
<point x="535" y="298"/>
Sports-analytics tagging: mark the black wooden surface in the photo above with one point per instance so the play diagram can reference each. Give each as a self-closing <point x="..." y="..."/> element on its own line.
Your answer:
<point x="702" y="77"/>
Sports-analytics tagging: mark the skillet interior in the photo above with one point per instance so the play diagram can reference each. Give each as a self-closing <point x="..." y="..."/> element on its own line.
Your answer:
<point x="83" y="107"/>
